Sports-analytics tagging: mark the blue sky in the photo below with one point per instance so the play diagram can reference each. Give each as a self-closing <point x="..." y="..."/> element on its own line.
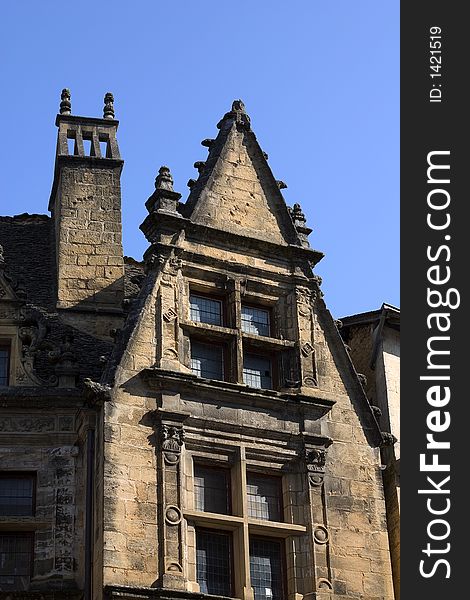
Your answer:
<point x="319" y="79"/>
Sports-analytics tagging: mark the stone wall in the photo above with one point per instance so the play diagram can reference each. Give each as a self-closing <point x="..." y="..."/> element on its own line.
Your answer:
<point x="88" y="237"/>
<point x="44" y="444"/>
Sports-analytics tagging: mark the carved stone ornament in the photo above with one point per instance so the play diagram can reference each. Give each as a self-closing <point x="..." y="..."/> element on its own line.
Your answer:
<point x="320" y="534"/>
<point x="324" y="584"/>
<point x="96" y="393"/>
<point x="237" y="114"/>
<point x="108" y="110"/>
<point x="174" y="567"/>
<point x="388" y="439"/>
<point x="170" y="315"/>
<point x="307" y="349"/>
<point x="315" y="460"/>
<point x="172" y="439"/>
<point x="306" y="299"/>
<point x="33" y="336"/>
<point x="173" y="515"/>
<point x="65" y="104"/>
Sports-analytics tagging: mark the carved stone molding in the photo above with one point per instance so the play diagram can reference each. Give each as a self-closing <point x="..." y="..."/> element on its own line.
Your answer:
<point x="173" y="515"/>
<point x="320" y="534"/>
<point x="315" y="460"/>
<point x="307" y="349"/>
<point x="170" y="315"/>
<point x="96" y="393"/>
<point x="172" y="439"/>
<point x="324" y="584"/>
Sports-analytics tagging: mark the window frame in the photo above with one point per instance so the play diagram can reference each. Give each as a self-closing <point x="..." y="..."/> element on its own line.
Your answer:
<point x="267" y="309"/>
<point x="228" y="482"/>
<point x="283" y="561"/>
<point x="22" y="534"/>
<point x="214" y="298"/>
<point x="280" y="489"/>
<point x="6" y="345"/>
<point x="204" y="342"/>
<point x="247" y="351"/>
<point x="229" y="535"/>
<point x="22" y="475"/>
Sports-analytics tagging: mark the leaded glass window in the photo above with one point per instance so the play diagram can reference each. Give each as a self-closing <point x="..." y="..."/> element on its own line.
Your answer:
<point x="16" y="551"/>
<point x="266" y="569"/>
<point x="205" y="310"/>
<point x="257" y="371"/>
<point x="255" y="320"/>
<point x="211" y="489"/>
<point x="207" y="360"/>
<point x="214" y="562"/>
<point x="264" y="497"/>
<point x="16" y="494"/>
<point x="4" y="364"/>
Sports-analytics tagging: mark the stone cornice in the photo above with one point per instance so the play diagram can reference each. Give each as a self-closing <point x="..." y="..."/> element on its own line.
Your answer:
<point x="160" y="379"/>
<point x="163" y="220"/>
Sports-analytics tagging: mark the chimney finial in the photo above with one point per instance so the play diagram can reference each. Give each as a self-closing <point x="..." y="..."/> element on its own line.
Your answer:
<point x="108" y="111"/>
<point x="164" y="180"/>
<point x="65" y="104"/>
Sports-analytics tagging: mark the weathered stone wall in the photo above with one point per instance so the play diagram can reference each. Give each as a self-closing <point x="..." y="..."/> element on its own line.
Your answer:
<point x="239" y="197"/>
<point x="87" y="215"/>
<point x="355" y="561"/>
<point x="354" y="499"/>
<point x="44" y="443"/>
<point x="360" y="341"/>
<point x="130" y="548"/>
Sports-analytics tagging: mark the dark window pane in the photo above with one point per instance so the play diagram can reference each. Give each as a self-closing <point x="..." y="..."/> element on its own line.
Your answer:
<point x="211" y="489"/>
<point x="257" y="371"/>
<point x="266" y="569"/>
<point x="213" y="562"/>
<point x="16" y="495"/>
<point x="255" y="320"/>
<point x="4" y="364"/>
<point x="207" y="361"/>
<point x="264" y="497"/>
<point x="205" y="310"/>
<point x="15" y="561"/>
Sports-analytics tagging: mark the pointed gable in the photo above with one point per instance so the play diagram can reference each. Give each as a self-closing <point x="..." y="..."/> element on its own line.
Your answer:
<point x="236" y="190"/>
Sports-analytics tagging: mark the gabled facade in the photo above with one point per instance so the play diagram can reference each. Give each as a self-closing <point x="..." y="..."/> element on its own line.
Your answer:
<point x="219" y="442"/>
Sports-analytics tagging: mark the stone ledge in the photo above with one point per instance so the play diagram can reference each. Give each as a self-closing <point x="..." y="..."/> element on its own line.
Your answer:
<point x="124" y="592"/>
<point x="161" y="379"/>
<point x="43" y="595"/>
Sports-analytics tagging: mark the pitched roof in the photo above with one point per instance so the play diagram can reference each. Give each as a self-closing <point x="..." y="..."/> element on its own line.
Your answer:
<point x="236" y="190"/>
<point x="29" y="264"/>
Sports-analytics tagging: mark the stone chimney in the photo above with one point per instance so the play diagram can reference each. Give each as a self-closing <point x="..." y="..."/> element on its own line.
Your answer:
<point x="85" y="204"/>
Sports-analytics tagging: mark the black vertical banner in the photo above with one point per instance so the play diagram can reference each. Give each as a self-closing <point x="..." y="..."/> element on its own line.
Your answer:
<point x="435" y="237"/>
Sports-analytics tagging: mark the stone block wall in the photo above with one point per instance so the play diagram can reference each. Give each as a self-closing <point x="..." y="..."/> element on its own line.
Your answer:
<point x="87" y="214"/>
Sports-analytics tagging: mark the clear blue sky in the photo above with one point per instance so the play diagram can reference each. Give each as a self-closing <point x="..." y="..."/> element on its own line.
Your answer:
<point x="319" y="79"/>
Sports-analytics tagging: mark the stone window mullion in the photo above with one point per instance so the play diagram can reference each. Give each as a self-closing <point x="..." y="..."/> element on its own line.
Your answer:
<point x="235" y="312"/>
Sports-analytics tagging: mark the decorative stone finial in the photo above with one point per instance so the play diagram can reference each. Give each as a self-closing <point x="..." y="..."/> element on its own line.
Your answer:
<point x="238" y="106"/>
<point x="300" y="224"/>
<point x="199" y="165"/>
<point x="164" y="180"/>
<point x="237" y="114"/>
<point x="164" y="197"/>
<point x="65" y="104"/>
<point x="297" y="214"/>
<point x="108" y="111"/>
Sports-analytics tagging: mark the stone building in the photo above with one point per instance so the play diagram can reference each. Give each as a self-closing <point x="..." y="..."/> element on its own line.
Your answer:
<point x="373" y="339"/>
<point x="186" y="427"/>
